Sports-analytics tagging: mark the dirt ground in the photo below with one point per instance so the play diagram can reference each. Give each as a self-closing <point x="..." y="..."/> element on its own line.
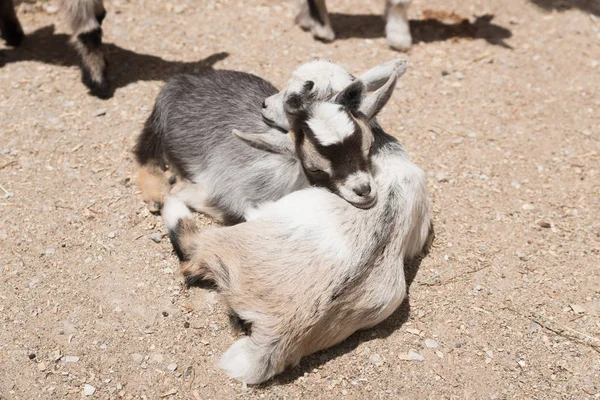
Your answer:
<point x="503" y="114"/>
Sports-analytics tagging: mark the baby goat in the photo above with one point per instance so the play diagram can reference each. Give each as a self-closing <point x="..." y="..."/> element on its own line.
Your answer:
<point x="310" y="269"/>
<point x="313" y="16"/>
<point x="229" y="176"/>
<point x="84" y="18"/>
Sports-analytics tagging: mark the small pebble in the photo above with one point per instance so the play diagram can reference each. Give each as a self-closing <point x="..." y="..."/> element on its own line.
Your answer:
<point x="527" y="207"/>
<point x="169" y="393"/>
<point x="165" y="314"/>
<point x="415" y="356"/>
<point x="100" y="112"/>
<point x="157" y="358"/>
<point x="441" y="177"/>
<point x="31" y="356"/>
<point x="577" y="309"/>
<point x="112" y="235"/>
<point x="155" y="237"/>
<point x="137" y="358"/>
<point x="41" y="366"/>
<point x="376" y="360"/>
<point x="522" y="363"/>
<point x="172" y="367"/>
<point x="34" y="283"/>
<point x="445" y="73"/>
<point x="212" y="298"/>
<point x="186" y="324"/>
<point x="544" y="224"/>
<point x="431" y="344"/>
<point x="55" y="355"/>
<point x="70" y="359"/>
<point x="88" y="390"/>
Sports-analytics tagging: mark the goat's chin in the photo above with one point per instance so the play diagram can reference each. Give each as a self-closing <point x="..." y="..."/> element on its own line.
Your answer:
<point x="271" y="124"/>
<point x="363" y="204"/>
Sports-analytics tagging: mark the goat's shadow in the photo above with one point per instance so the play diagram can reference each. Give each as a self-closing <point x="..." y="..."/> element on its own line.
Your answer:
<point x="124" y="66"/>
<point x="382" y="330"/>
<point x="431" y="29"/>
<point x="589" y="6"/>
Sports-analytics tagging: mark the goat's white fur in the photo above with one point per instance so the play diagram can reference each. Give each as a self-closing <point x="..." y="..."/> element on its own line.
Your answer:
<point x="330" y="124"/>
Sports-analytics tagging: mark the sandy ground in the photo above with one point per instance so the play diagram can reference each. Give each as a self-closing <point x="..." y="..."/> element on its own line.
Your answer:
<point x="503" y="114"/>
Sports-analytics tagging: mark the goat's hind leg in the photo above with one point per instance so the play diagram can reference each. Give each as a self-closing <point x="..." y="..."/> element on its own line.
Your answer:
<point x="256" y="358"/>
<point x="313" y="15"/>
<point x="10" y="28"/>
<point x="85" y="17"/>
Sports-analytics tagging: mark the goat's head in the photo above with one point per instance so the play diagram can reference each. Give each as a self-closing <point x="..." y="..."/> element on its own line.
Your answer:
<point x="332" y="138"/>
<point x="328" y="79"/>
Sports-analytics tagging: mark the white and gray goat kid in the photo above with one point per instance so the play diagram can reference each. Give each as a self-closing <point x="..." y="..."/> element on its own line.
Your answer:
<point x="312" y="15"/>
<point x="309" y="270"/>
<point x="228" y="176"/>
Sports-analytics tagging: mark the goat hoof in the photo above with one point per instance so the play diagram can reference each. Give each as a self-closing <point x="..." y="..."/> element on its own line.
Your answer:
<point x="323" y="33"/>
<point x="303" y="21"/>
<point x="400" y="42"/>
<point x="99" y="89"/>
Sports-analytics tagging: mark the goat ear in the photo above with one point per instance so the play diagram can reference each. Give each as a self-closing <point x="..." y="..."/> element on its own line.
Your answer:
<point x="273" y="141"/>
<point x="299" y="102"/>
<point x="378" y="76"/>
<point x="352" y="96"/>
<point x="375" y="101"/>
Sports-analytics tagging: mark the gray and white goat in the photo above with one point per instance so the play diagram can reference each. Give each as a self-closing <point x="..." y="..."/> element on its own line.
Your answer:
<point x="229" y="176"/>
<point x="84" y="18"/>
<point x="309" y="270"/>
<point x="313" y="16"/>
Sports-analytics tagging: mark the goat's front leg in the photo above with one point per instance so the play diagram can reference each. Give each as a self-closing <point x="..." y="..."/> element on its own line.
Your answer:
<point x="397" y="27"/>
<point x="10" y="28"/>
<point x="313" y="15"/>
<point x="85" y="17"/>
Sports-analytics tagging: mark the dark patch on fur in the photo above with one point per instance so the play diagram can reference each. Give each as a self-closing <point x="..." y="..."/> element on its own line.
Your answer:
<point x="313" y="10"/>
<point x="92" y="40"/>
<point x="239" y="325"/>
<point x="352" y="96"/>
<point x="175" y="238"/>
<point x="100" y="16"/>
<point x="148" y="148"/>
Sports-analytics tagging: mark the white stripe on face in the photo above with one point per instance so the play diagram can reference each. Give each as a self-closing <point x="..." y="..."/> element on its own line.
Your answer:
<point x="330" y="124"/>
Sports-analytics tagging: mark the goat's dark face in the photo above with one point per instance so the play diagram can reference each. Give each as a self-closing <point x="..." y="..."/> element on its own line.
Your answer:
<point x="334" y="149"/>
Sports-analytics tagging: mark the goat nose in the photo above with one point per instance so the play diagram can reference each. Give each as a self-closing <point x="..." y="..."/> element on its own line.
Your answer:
<point x="363" y="189"/>
<point x="264" y="105"/>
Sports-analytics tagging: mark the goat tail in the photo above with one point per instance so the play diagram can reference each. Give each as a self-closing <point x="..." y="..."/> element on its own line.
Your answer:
<point x="252" y="363"/>
<point x="181" y="227"/>
<point x="152" y="178"/>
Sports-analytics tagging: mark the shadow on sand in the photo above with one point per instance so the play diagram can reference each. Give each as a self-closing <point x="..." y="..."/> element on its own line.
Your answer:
<point x="124" y="66"/>
<point x="436" y="27"/>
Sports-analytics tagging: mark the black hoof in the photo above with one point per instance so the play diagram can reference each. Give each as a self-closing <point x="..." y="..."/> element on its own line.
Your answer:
<point x="99" y="89"/>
